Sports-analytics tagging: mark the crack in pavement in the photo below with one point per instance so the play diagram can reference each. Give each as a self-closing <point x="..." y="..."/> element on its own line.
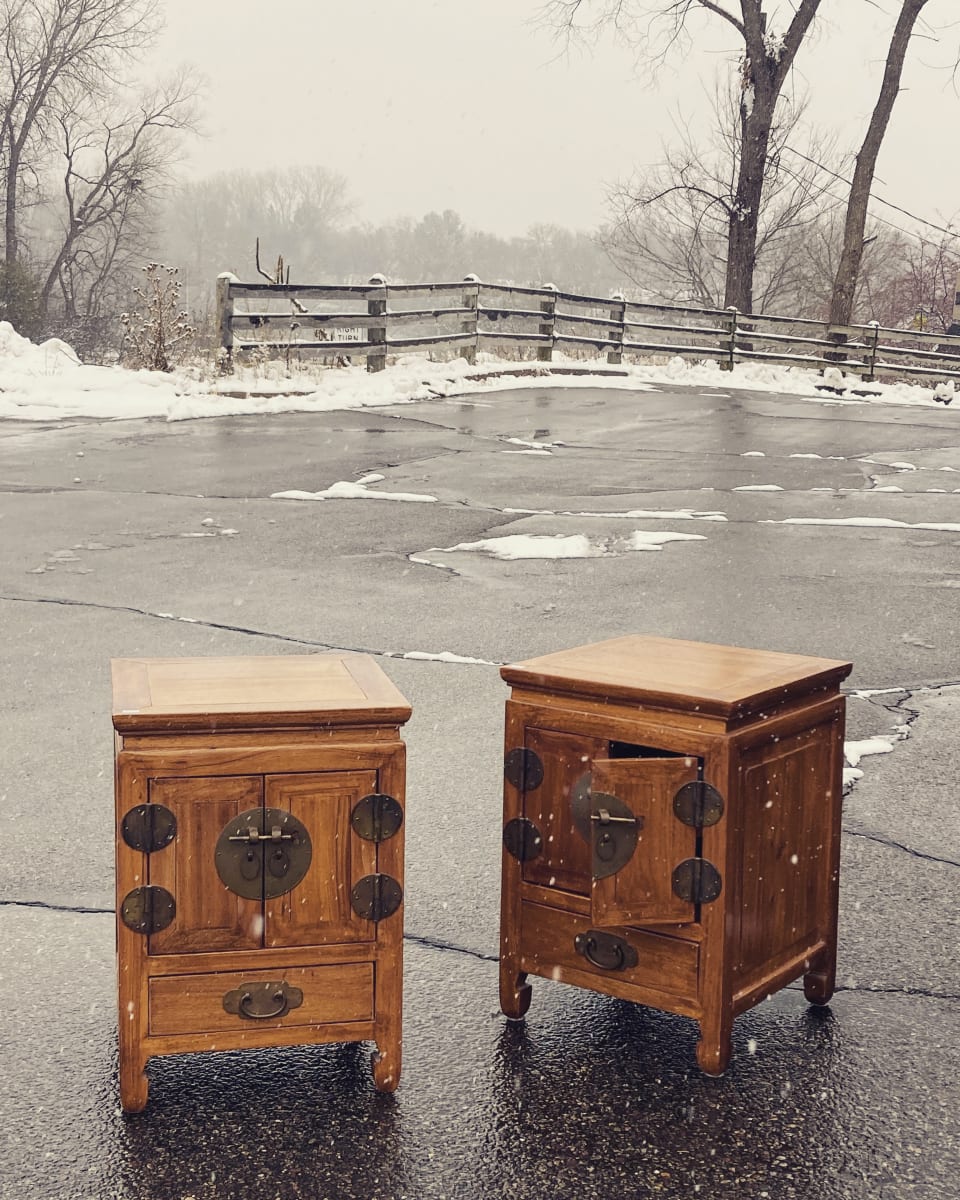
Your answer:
<point x="419" y="939"/>
<point x="409" y="655"/>
<point x="452" y="948"/>
<point x="876" y="837"/>
<point x="418" y="656"/>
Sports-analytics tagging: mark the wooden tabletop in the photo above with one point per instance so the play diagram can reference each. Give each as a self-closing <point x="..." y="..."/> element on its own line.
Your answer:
<point x="151" y="694"/>
<point x="677" y="675"/>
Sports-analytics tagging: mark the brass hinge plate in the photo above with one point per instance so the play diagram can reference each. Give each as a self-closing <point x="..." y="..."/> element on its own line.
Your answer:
<point x="697" y="881"/>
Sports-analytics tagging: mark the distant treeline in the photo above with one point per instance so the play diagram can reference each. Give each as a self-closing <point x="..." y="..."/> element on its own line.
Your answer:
<point x="305" y="216"/>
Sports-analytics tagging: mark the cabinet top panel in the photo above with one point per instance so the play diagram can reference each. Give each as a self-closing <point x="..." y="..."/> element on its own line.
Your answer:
<point x="165" y="694"/>
<point x="678" y="676"/>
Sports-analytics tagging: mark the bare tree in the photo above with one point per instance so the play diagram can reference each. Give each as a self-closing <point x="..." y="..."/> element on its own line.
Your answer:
<point x="841" y="305"/>
<point x="671" y="225"/>
<point x="114" y="166"/>
<point x="53" y="52"/>
<point x="766" y="59"/>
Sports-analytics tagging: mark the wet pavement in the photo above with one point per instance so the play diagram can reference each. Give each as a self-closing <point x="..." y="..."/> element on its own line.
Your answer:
<point x="144" y="538"/>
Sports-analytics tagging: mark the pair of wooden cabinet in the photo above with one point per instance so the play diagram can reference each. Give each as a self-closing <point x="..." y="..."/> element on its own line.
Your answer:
<point x="671" y="836"/>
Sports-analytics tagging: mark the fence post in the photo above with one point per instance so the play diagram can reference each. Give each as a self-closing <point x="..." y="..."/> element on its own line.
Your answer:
<point x="871" y="376"/>
<point x="732" y="349"/>
<point x="377" y="334"/>
<point x="618" y="312"/>
<point x="225" y="320"/>
<point x="548" y="308"/>
<point x="469" y="324"/>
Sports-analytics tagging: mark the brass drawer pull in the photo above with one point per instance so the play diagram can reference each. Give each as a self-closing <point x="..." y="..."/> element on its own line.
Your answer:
<point x="605" y="950"/>
<point x="263" y="1001"/>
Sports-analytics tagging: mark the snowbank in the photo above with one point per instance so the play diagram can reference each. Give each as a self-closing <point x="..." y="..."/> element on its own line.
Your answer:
<point x="48" y="382"/>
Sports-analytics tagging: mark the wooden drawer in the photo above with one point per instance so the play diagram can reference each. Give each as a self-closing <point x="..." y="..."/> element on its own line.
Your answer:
<point x="664" y="964"/>
<point x="185" y="1004"/>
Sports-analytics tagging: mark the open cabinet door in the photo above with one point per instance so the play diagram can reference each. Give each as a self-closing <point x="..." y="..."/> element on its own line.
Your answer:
<point x="637" y="841"/>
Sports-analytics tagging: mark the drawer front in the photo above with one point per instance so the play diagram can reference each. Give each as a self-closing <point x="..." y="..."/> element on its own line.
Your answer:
<point x="183" y="1004"/>
<point x="664" y="964"/>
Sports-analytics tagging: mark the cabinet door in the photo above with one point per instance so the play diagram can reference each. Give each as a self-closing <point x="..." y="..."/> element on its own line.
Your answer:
<point x="564" y="858"/>
<point x="208" y="915"/>
<point x="640" y="891"/>
<point x="318" y="909"/>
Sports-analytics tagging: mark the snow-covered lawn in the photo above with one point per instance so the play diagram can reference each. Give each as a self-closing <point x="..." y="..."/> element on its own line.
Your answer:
<point x="48" y="382"/>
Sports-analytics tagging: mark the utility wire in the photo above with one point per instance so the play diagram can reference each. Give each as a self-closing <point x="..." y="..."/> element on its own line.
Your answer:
<point x="879" y="199"/>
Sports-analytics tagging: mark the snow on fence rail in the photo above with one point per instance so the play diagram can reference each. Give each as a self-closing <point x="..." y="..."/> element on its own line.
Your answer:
<point x="377" y="319"/>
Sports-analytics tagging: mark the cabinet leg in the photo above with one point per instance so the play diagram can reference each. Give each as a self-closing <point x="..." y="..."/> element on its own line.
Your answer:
<point x="134" y="1086"/>
<point x="385" y="1062"/>
<point x="515" y="992"/>
<point x="714" y="1048"/>
<point x="819" y="983"/>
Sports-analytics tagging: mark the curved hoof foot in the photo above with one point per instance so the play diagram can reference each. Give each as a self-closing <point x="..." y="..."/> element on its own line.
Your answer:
<point x="712" y="1059"/>
<point x="134" y="1088"/>
<point x="514" y="1001"/>
<point x="386" y="1071"/>
<point x="818" y="987"/>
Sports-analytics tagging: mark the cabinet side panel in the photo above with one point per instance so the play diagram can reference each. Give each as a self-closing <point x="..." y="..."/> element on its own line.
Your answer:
<point x="789" y="810"/>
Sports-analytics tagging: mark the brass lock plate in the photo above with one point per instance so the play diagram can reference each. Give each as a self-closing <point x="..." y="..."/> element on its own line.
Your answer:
<point x="608" y="826"/>
<point x="263" y="853"/>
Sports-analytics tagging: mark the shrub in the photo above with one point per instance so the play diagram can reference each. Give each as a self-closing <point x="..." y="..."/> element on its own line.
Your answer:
<point x="158" y="330"/>
<point x="19" y="299"/>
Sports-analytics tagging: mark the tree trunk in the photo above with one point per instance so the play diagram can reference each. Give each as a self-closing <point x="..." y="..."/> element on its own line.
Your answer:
<point x="845" y="284"/>
<point x="10" y="206"/>
<point x="745" y="214"/>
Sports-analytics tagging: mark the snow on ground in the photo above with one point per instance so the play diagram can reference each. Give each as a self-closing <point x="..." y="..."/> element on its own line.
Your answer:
<point x="558" y="545"/>
<point x="634" y="514"/>
<point x="48" y="382"/>
<point x="344" y="490"/>
<point x="868" y="522"/>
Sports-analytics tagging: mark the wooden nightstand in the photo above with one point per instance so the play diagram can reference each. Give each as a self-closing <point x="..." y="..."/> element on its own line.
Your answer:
<point x="260" y="807"/>
<point x="672" y="827"/>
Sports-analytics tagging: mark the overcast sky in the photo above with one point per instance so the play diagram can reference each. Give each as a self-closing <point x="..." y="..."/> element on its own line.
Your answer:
<point x="433" y="104"/>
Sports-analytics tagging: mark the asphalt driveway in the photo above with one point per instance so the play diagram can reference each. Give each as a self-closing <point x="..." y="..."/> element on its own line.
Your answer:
<point x="147" y="538"/>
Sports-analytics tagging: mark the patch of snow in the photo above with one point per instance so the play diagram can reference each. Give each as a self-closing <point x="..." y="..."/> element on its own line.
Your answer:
<point x="633" y="514"/>
<point x="444" y="656"/>
<point x="902" y="466"/>
<point x="851" y="775"/>
<point x="530" y="545"/>
<point x="530" y="445"/>
<point x="546" y="452"/>
<point x="853" y="752"/>
<point x="753" y="454"/>
<point x="759" y="487"/>
<point x="806" y="456"/>
<point x="344" y="490"/>
<point x="556" y="546"/>
<point x="642" y="540"/>
<point x="890" y="487"/>
<point x="867" y="523"/>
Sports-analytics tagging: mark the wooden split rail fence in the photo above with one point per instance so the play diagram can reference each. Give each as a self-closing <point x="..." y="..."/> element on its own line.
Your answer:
<point x="378" y="319"/>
